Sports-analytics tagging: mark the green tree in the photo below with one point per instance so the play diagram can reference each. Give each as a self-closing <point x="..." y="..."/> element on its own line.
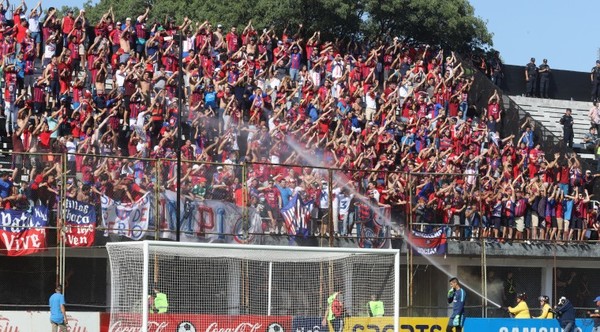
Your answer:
<point x="448" y="23"/>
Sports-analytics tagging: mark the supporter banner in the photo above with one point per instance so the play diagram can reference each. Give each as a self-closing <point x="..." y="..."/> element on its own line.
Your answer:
<point x="296" y="215"/>
<point x="35" y="321"/>
<point x="522" y="325"/>
<point x="372" y="226"/>
<point x="205" y="323"/>
<point x="207" y="221"/>
<point x="386" y="324"/>
<point x="126" y="219"/>
<point x="22" y="233"/>
<point x="80" y="218"/>
<point x="428" y="243"/>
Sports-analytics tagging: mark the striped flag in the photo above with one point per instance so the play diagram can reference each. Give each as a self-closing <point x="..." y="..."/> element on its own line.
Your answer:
<point x="433" y="243"/>
<point x="296" y="215"/>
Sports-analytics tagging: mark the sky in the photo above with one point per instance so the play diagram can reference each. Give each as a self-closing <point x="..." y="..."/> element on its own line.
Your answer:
<point x="564" y="32"/>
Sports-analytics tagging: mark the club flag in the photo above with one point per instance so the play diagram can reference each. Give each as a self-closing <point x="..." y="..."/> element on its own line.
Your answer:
<point x="23" y="232"/>
<point x="80" y="219"/>
<point x="433" y="243"/>
<point x="126" y="219"/>
<point x="296" y="215"/>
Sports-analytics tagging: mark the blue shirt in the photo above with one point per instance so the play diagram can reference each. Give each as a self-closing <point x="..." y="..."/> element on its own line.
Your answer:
<point x="5" y="188"/>
<point x="210" y="99"/>
<point x="57" y="300"/>
<point x="285" y="193"/>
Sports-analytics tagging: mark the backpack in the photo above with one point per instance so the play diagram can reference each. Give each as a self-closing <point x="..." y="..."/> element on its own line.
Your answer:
<point x="336" y="308"/>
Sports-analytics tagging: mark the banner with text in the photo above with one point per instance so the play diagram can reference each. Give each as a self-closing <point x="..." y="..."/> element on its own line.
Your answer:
<point x="386" y="324"/>
<point x="433" y="243"/>
<point x="80" y="219"/>
<point x="126" y="219"/>
<point x="22" y="232"/>
<point x="36" y="321"/>
<point x="523" y="325"/>
<point x="202" y="323"/>
<point x="207" y="221"/>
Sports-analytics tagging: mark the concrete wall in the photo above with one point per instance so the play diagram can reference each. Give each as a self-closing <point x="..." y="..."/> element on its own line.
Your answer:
<point x="564" y="84"/>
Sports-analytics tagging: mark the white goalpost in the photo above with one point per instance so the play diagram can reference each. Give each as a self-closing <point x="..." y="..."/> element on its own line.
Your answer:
<point x="244" y="288"/>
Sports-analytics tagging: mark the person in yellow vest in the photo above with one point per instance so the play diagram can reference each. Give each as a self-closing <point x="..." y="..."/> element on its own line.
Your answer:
<point x="161" y="304"/>
<point x="521" y="310"/>
<point x="334" y="313"/>
<point x="375" y="307"/>
<point x="546" y="308"/>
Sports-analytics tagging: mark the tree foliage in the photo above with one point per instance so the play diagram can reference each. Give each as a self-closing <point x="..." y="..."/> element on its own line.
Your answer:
<point x="448" y="23"/>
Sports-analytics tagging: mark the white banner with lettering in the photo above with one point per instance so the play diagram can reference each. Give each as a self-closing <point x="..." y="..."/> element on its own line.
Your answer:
<point x="36" y="321"/>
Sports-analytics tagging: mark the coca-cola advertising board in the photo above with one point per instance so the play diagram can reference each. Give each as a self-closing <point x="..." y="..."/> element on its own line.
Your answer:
<point x="202" y="323"/>
<point x="36" y="321"/>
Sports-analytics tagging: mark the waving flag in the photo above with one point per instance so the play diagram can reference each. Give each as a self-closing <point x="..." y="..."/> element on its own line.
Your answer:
<point x="433" y="243"/>
<point x="296" y="215"/>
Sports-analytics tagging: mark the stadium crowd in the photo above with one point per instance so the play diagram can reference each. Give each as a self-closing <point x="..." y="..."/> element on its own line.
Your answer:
<point x="391" y="118"/>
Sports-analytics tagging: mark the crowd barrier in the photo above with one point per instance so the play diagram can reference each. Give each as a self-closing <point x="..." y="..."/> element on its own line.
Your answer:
<point x="103" y="199"/>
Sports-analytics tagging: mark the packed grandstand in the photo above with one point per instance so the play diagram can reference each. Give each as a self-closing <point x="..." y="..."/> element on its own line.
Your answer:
<point x="269" y="118"/>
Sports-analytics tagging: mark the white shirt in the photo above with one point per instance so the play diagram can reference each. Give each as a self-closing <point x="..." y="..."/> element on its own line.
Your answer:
<point x="49" y="50"/>
<point x="120" y="78"/>
<point x="34" y="23"/>
<point x="71" y="149"/>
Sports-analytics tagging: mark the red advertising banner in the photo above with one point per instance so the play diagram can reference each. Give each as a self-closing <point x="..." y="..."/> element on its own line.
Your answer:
<point x="202" y="323"/>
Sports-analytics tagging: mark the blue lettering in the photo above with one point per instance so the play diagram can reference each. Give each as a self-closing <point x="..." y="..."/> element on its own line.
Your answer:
<point x="220" y="222"/>
<point x="137" y="232"/>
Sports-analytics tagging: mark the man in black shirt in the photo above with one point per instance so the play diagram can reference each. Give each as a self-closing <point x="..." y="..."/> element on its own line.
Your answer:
<point x="567" y="122"/>
<point x="531" y="73"/>
<point x="544" y="71"/>
<point x="595" y="78"/>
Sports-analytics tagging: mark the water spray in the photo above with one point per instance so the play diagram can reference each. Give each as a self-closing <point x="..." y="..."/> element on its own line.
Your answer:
<point x="304" y="154"/>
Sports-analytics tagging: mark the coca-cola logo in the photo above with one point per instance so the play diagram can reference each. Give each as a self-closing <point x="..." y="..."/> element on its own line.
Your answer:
<point x="5" y="325"/>
<point x="75" y="326"/>
<point x="241" y="327"/>
<point x="153" y="326"/>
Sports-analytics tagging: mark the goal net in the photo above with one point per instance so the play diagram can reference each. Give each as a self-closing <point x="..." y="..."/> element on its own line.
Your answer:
<point x="244" y="288"/>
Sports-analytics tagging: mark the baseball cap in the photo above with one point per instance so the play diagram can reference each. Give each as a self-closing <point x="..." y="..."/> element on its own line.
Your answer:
<point x="597" y="299"/>
<point x="219" y="25"/>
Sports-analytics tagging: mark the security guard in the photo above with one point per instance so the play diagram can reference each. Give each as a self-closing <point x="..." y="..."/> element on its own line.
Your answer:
<point x="531" y="75"/>
<point x="544" y="71"/>
<point x="375" y="307"/>
<point x="160" y="302"/>
<point x="595" y="79"/>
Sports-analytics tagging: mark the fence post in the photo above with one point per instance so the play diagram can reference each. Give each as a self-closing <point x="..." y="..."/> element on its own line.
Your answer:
<point x="61" y="212"/>
<point x="409" y="255"/>
<point x="157" y="199"/>
<point x="245" y="221"/>
<point x="330" y="206"/>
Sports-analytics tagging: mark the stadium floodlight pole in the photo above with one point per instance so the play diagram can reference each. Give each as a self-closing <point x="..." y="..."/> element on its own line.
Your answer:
<point x="178" y="136"/>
